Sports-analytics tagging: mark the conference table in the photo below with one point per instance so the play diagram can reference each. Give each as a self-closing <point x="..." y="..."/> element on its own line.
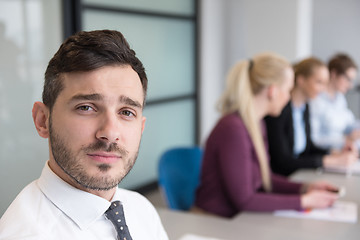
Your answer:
<point x="252" y="225"/>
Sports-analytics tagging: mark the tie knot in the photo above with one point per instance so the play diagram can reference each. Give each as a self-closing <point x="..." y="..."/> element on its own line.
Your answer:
<point x="115" y="204"/>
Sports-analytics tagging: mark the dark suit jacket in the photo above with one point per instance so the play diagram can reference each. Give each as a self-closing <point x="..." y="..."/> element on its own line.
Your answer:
<point x="281" y="144"/>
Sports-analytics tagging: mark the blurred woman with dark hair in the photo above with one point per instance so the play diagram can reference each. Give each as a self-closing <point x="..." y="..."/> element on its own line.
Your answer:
<point x="290" y="144"/>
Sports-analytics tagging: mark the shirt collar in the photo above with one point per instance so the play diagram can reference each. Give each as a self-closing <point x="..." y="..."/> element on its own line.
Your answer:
<point x="82" y="207"/>
<point x="330" y="98"/>
<point x="300" y="108"/>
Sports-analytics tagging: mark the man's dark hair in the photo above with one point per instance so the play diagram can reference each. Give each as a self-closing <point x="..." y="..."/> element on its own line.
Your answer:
<point x="340" y="63"/>
<point x="86" y="51"/>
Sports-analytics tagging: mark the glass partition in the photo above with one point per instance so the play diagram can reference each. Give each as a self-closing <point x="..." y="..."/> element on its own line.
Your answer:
<point x="163" y="34"/>
<point x="166" y="6"/>
<point x="166" y="48"/>
<point x="167" y="125"/>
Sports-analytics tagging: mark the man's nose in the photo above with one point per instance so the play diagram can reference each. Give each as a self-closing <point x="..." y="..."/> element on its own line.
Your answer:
<point x="109" y="128"/>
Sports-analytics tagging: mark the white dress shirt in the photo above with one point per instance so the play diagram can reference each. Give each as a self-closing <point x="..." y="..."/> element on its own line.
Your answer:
<point x="50" y="208"/>
<point x="299" y="129"/>
<point x="330" y="120"/>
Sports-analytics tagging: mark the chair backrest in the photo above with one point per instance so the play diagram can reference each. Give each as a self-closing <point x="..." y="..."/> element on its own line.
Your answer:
<point x="179" y="173"/>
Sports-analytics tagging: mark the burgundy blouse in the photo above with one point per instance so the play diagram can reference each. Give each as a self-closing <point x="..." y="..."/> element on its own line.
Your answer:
<point x="230" y="176"/>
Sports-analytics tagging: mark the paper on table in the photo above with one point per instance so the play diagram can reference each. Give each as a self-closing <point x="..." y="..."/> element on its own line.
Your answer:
<point x="196" y="237"/>
<point x="353" y="169"/>
<point x="341" y="211"/>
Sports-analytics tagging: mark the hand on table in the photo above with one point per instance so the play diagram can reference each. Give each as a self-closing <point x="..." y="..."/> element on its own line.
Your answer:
<point x="320" y="185"/>
<point x="340" y="159"/>
<point x="318" y="199"/>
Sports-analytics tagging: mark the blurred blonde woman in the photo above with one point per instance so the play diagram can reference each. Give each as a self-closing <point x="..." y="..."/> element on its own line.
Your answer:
<point x="235" y="173"/>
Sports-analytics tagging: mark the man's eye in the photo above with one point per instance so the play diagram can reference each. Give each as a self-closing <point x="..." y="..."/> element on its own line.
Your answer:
<point x="85" y="108"/>
<point x="127" y="113"/>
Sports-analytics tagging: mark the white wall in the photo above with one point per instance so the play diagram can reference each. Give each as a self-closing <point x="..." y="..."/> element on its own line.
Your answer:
<point x="212" y="54"/>
<point x="336" y="29"/>
<point x="261" y="25"/>
<point x="245" y="28"/>
<point x="295" y="29"/>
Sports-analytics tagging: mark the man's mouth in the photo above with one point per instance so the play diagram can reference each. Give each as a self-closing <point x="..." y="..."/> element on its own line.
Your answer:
<point x="104" y="157"/>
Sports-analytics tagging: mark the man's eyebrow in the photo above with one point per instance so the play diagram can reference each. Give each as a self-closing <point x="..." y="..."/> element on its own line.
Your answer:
<point x="97" y="97"/>
<point x="93" y="97"/>
<point x="128" y="101"/>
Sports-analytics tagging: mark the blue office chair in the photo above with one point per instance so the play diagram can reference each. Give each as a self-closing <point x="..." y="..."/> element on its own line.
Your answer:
<point x="179" y="174"/>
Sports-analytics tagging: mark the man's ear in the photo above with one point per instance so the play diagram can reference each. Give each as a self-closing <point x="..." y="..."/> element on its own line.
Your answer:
<point x="333" y="74"/>
<point x="143" y="124"/>
<point x="40" y="114"/>
<point x="300" y="81"/>
<point x="271" y="92"/>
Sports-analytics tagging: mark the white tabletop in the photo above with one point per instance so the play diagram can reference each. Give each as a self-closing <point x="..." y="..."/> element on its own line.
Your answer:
<point x="250" y="225"/>
<point x="177" y="224"/>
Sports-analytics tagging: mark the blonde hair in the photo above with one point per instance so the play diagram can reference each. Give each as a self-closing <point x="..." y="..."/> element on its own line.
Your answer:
<point x="246" y="79"/>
